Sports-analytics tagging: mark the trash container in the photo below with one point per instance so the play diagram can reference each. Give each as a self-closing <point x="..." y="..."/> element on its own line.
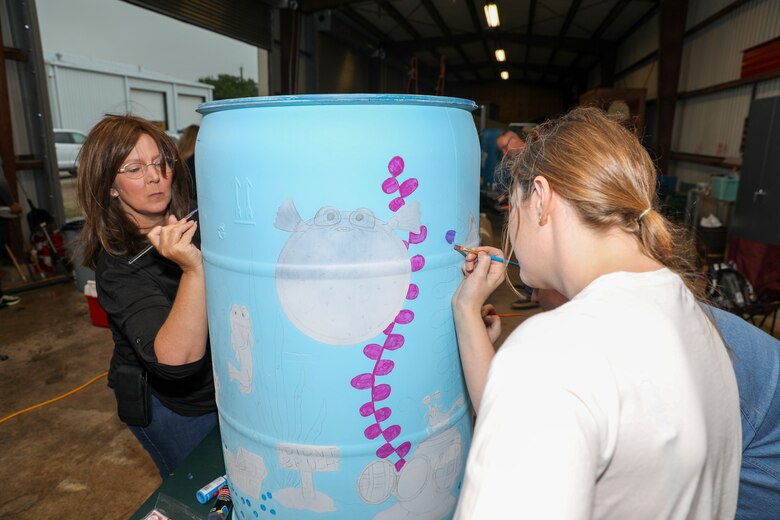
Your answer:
<point x="70" y="231"/>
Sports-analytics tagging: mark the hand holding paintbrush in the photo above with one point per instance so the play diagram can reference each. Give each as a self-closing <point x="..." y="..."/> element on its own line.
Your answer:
<point x="467" y="250"/>
<point x="171" y="234"/>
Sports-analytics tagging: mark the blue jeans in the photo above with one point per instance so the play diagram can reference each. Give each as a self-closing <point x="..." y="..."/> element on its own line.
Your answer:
<point x="171" y="437"/>
<point x="757" y="367"/>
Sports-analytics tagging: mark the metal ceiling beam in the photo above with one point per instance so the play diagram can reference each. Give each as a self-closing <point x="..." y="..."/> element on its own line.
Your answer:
<point x="530" y="67"/>
<point x="311" y="6"/>
<point x="603" y="26"/>
<point x="478" y="29"/>
<point x="434" y="13"/>
<point x="573" y="8"/>
<point x="367" y="26"/>
<point x="390" y="9"/>
<point x="583" y="45"/>
<point x="529" y="32"/>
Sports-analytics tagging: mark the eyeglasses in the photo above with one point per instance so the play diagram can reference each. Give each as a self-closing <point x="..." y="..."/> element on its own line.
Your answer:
<point x="138" y="170"/>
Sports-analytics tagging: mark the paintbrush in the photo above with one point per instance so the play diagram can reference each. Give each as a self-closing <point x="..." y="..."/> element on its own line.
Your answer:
<point x="150" y="246"/>
<point x="492" y="257"/>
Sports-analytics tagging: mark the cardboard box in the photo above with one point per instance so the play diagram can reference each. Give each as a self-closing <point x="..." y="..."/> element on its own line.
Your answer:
<point x="724" y="188"/>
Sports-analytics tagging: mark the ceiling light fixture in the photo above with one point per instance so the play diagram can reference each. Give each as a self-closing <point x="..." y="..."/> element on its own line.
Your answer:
<point x="500" y="55"/>
<point x="504" y="74"/>
<point x="491" y="14"/>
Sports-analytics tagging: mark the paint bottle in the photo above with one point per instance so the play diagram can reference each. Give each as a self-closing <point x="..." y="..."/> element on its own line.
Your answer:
<point x="210" y="490"/>
<point x="222" y="506"/>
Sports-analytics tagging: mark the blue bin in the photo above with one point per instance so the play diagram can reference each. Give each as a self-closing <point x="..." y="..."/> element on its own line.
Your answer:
<point x="328" y="224"/>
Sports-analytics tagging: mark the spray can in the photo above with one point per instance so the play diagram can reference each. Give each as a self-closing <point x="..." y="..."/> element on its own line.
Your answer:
<point x="222" y="506"/>
<point x="210" y="490"/>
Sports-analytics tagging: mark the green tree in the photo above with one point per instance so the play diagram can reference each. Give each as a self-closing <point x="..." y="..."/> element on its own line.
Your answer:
<point x="227" y="86"/>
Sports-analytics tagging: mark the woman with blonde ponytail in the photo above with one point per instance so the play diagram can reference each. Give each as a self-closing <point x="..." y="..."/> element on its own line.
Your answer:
<point x="621" y="403"/>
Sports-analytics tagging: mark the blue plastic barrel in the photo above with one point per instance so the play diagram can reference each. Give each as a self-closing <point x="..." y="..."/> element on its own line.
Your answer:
<point x="328" y="224"/>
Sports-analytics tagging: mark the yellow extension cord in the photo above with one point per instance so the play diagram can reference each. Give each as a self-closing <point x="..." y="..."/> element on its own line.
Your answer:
<point x="63" y="396"/>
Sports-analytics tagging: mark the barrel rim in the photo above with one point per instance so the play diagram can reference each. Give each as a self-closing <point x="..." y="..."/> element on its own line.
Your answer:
<point x="336" y="99"/>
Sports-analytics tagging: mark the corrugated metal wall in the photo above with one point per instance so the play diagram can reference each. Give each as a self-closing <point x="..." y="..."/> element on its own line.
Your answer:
<point x="712" y="124"/>
<point x="714" y="54"/>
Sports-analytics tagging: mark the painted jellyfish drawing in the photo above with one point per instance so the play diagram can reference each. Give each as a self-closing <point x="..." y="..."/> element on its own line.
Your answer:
<point x="343" y="276"/>
<point x="329" y="276"/>
<point x="242" y="340"/>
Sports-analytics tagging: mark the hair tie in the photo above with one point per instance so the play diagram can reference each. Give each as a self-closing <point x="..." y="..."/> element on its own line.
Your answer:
<point x="642" y="215"/>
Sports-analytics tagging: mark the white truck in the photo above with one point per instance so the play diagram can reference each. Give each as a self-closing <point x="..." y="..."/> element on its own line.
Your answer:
<point x="68" y="144"/>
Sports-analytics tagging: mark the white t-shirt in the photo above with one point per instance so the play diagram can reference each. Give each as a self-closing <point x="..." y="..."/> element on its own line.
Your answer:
<point x="621" y="404"/>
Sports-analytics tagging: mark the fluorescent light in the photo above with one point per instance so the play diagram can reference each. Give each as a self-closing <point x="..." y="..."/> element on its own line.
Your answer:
<point x="500" y="55"/>
<point x="491" y="15"/>
<point x="504" y="74"/>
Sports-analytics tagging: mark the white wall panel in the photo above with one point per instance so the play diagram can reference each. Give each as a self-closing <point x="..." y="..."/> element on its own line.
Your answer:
<point x="714" y="55"/>
<point x="700" y="10"/>
<point x="767" y="89"/>
<point x="85" y="97"/>
<point x="646" y="77"/>
<point x="712" y="125"/>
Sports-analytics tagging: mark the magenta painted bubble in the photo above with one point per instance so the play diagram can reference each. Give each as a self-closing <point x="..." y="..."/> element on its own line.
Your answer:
<point x="396" y="166"/>
<point x="396" y="203"/>
<point x="450" y="236"/>
<point x="418" y="238"/>
<point x="418" y="262"/>
<point x="373" y="431"/>
<point x="383" y="367"/>
<point x="408" y="187"/>
<point x="372" y="351"/>
<point x="394" y="342"/>
<point x="384" y="451"/>
<point x="404" y="317"/>
<point x="363" y="381"/>
<point x="391" y="433"/>
<point x="390" y="185"/>
<point x="413" y="292"/>
<point x="367" y="409"/>
<point x="382" y="414"/>
<point x="400" y="464"/>
<point x="389" y="329"/>
<point x="403" y="449"/>
<point x="380" y="392"/>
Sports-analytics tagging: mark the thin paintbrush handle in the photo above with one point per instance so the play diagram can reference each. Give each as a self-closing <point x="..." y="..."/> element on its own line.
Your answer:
<point x="492" y="257"/>
<point x="150" y="246"/>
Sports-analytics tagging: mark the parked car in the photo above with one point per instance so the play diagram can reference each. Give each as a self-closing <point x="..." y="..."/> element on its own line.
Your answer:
<point x="67" y="144"/>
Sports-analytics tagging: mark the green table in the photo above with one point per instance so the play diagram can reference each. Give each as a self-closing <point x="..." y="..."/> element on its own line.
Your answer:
<point x="203" y="465"/>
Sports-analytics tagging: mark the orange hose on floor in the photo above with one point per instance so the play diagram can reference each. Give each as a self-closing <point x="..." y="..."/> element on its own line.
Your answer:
<point x="63" y="396"/>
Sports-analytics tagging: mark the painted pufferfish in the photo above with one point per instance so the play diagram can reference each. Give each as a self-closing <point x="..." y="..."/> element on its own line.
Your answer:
<point x="343" y="276"/>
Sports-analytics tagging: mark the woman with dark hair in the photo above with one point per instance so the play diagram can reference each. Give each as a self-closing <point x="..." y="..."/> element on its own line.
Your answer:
<point x="621" y="403"/>
<point x="186" y="146"/>
<point x="133" y="189"/>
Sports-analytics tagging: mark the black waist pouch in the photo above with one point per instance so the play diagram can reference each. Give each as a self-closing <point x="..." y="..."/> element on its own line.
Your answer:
<point x="133" y="395"/>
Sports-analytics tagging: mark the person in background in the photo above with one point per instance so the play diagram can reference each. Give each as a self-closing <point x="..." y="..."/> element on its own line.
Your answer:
<point x="509" y="142"/>
<point x="186" y="146"/>
<point x="622" y="403"/>
<point x="133" y="188"/>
